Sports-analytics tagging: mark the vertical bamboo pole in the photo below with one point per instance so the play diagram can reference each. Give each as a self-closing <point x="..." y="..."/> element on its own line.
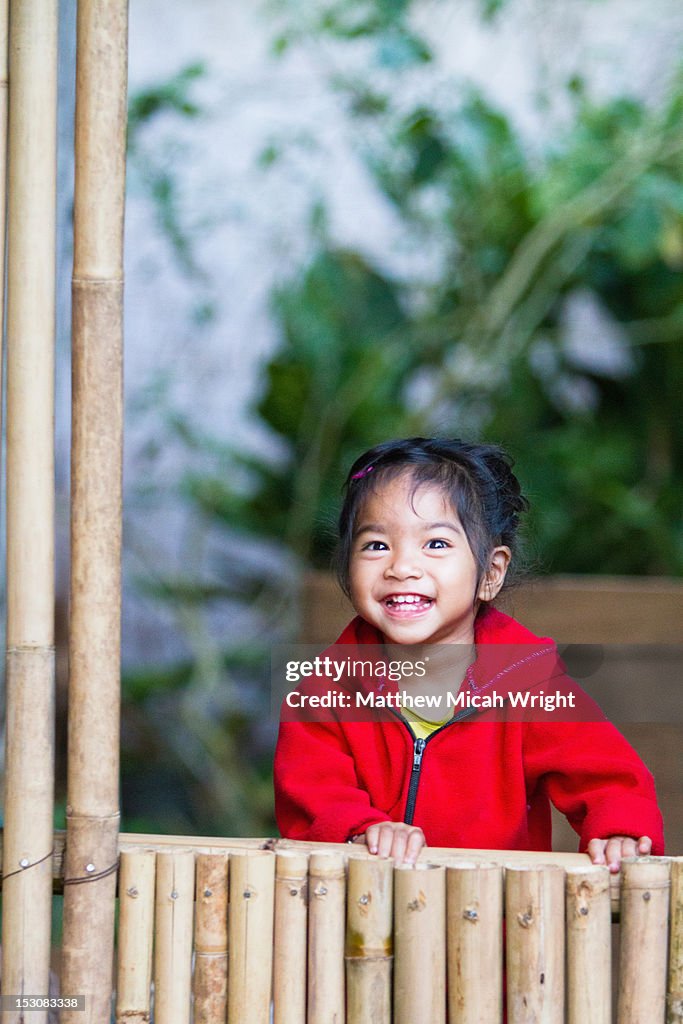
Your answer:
<point x="534" y="914"/>
<point x="474" y="943"/>
<point x="173" y="937"/>
<point x="4" y="117"/>
<point x="290" y="938"/>
<point x="675" y="987"/>
<point x="589" y="942"/>
<point x="420" y="944"/>
<point x="369" y="940"/>
<point x="29" y="775"/>
<point x="250" y="937"/>
<point x="94" y="657"/>
<point x="326" y="898"/>
<point x="643" y="951"/>
<point x="137" y="876"/>
<point x="211" y="939"/>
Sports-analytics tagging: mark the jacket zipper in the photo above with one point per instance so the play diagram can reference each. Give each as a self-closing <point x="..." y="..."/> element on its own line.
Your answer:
<point x="418" y="752"/>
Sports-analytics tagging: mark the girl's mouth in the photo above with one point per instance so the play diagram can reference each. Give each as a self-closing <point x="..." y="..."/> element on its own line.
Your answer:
<point x="405" y="605"/>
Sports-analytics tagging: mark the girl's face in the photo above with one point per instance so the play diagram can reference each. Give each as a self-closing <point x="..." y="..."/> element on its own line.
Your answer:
<point x="412" y="573"/>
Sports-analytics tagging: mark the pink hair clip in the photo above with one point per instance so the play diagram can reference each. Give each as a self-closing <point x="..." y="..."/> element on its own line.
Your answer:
<point x="362" y="472"/>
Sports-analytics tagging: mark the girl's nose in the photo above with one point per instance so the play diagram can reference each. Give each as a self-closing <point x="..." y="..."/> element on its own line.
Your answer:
<point x="403" y="566"/>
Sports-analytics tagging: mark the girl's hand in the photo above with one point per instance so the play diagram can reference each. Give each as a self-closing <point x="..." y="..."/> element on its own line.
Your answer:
<point x="611" y="851"/>
<point x="395" y="839"/>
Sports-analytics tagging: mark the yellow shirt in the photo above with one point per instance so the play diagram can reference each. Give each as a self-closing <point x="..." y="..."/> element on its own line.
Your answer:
<point x="422" y="727"/>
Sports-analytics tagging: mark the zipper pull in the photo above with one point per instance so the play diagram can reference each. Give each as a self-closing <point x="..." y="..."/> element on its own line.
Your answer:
<point x="417" y="753"/>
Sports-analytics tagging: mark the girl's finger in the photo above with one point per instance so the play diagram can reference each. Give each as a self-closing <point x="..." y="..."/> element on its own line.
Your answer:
<point x="371" y="838"/>
<point x="398" y="848"/>
<point x="596" y="851"/>
<point x="644" y="846"/>
<point x="386" y="839"/>
<point x="416" y="841"/>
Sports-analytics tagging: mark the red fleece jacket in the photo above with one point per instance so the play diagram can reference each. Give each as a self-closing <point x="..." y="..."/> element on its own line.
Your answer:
<point x="481" y="784"/>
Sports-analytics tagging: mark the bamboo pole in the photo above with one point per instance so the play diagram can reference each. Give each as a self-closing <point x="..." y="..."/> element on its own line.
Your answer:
<point x="326" y="898"/>
<point x="29" y="775"/>
<point x="474" y="943"/>
<point x="250" y="941"/>
<point x="173" y="937"/>
<point x="94" y="641"/>
<point x="136" y="931"/>
<point x="290" y="938"/>
<point x="4" y="119"/>
<point x="369" y="941"/>
<point x="645" y="889"/>
<point x="211" y="939"/>
<point x="675" y="987"/>
<point x="420" y="944"/>
<point x="589" y="941"/>
<point x="534" y="913"/>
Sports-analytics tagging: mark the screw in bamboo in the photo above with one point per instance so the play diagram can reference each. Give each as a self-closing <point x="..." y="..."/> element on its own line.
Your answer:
<point x="137" y="875"/>
<point x="474" y="905"/>
<point x="535" y="933"/>
<point x="250" y="936"/>
<point x="174" y="910"/>
<point x="326" y="919"/>
<point x="29" y="759"/>
<point x="290" y="938"/>
<point x="420" y="944"/>
<point x="645" y="886"/>
<point x="589" y="940"/>
<point x="675" y="986"/>
<point x="94" y="635"/>
<point x="369" y="940"/>
<point x="210" y="984"/>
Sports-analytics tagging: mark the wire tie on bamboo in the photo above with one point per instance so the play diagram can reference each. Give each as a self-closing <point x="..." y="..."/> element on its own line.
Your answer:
<point x="92" y="875"/>
<point x="25" y="864"/>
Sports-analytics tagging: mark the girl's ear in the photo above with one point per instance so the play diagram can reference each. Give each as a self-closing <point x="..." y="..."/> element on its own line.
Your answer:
<point x="494" y="576"/>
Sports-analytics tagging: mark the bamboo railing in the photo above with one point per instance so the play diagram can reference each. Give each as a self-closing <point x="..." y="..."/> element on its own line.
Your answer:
<point x="245" y="931"/>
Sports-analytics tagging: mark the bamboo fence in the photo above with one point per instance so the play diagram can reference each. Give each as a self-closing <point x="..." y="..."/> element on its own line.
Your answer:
<point x="317" y="933"/>
<point x="29" y="767"/>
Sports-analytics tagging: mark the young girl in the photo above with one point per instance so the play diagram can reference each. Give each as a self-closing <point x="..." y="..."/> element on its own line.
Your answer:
<point x="427" y="537"/>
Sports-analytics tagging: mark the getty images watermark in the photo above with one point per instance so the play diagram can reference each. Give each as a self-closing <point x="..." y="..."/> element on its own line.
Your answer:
<point x="500" y="682"/>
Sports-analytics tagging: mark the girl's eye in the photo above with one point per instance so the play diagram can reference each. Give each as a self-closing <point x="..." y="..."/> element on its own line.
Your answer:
<point x="374" y="545"/>
<point x="437" y="544"/>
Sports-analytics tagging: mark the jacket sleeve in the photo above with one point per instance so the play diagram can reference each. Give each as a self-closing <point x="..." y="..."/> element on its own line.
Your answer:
<point x="594" y="777"/>
<point x="317" y="795"/>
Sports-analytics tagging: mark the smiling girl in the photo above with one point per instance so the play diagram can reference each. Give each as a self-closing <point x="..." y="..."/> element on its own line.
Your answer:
<point x="427" y="536"/>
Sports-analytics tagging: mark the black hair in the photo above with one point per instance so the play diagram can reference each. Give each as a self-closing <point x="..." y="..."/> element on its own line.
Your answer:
<point x="477" y="478"/>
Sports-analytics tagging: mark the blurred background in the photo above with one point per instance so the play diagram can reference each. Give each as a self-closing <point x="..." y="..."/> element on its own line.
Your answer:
<point x="350" y="220"/>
